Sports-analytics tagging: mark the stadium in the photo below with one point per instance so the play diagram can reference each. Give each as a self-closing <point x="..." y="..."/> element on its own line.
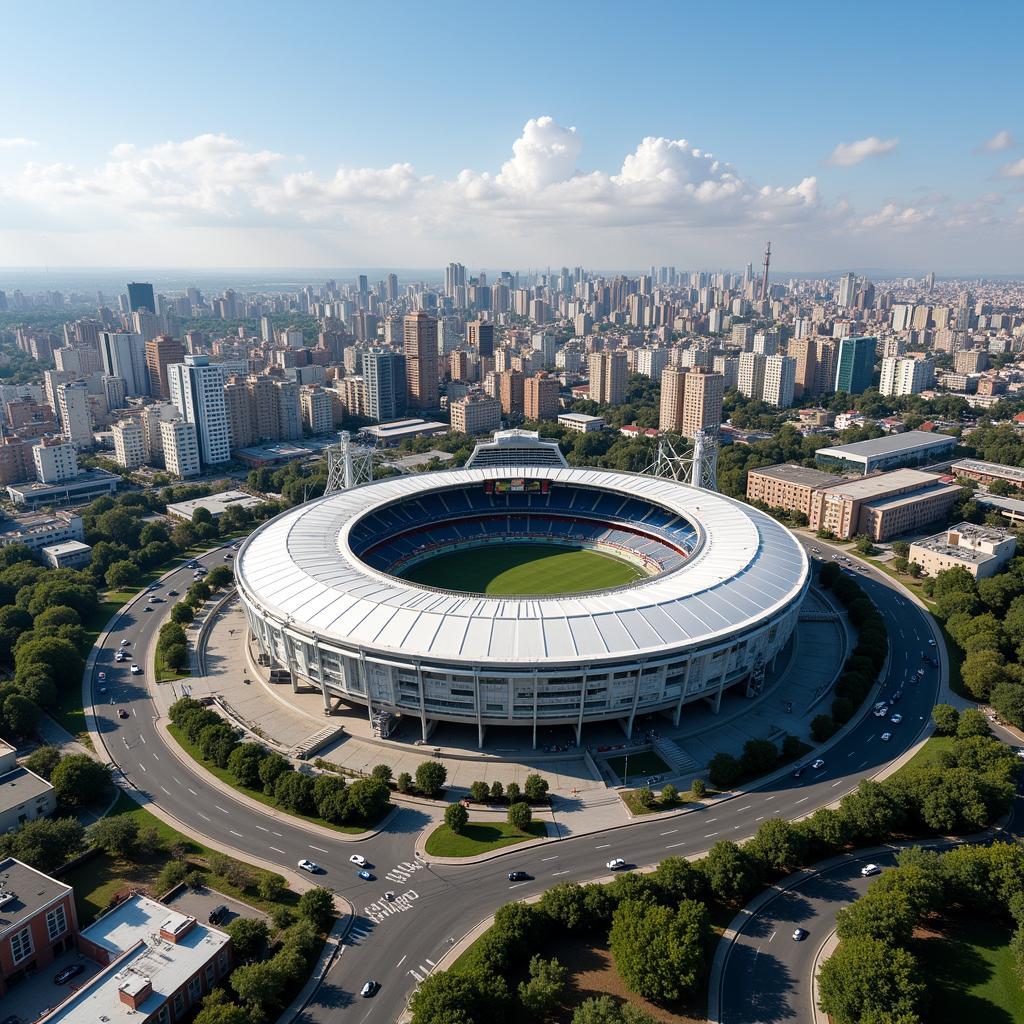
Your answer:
<point x="522" y="596"/>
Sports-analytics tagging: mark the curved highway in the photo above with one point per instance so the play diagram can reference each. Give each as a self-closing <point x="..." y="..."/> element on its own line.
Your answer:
<point x="398" y="944"/>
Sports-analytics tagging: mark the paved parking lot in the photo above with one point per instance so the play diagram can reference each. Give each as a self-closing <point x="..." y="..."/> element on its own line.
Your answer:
<point x="199" y="902"/>
<point x="38" y="994"/>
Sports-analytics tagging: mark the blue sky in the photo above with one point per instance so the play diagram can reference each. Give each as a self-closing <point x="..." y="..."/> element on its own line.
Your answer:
<point x="103" y="104"/>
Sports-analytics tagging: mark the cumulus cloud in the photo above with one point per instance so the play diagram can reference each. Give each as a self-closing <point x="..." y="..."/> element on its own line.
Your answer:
<point x="16" y="142"/>
<point x="1014" y="170"/>
<point x="846" y="154"/>
<point x="1000" y="141"/>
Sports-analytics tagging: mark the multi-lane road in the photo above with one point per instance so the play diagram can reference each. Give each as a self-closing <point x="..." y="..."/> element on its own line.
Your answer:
<point x="399" y="943"/>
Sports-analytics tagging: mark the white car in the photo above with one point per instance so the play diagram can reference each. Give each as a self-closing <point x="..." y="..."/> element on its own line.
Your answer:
<point x="870" y="869"/>
<point x="356" y="859"/>
<point x="886" y="736"/>
<point x="136" y="671"/>
<point x="882" y="711"/>
<point x="125" y="643"/>
<point x="818" y="763"/>
<point x="931" y="643"/>
<point x="615" y="864"/>
<point x="896" y="719"/>
<point x="309" y="865"/>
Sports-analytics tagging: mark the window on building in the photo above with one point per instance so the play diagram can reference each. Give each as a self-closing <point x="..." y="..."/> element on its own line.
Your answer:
<point x="194" y="989"/>
<point x="209" y="975"/>
<point x="179" y="1004"/>
<point x="222" y="963"/>
<point x="164" y="1016"/>
<point x="56" y="922"/>
<point x="21" y="945"/>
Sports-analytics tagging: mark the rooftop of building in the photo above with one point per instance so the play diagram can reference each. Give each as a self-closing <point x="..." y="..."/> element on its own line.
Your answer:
<point x="579" y="417"/>
<point x="991" y="468"/>
<point x="802" y="475"/>
<point x="215" y="504"/>
<point x="86" y="478"/>
<point x="891" y="444"/>
<point x="403" y="428"/>
<point x="878" y="485"/>
<point x="19" y="786"/>
<point x="131" y="932"/>
<point x="939" y="542"/>
<point x="67" y="547"/>
<point x="24" y="892"/>
<point x="884" y="504"/>
<point x="35" y="522"/>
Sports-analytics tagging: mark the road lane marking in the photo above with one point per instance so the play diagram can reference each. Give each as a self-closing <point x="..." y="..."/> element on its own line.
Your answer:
<point x="429" y="961"/>
<point x="710" y="820"/>
<point x="772" y="936"/>
<point x="800" y="801"/>
<point x="516" y="886"/>
<point x="219" y="808"/>
<point x="402" y="961"/>
<point x="670" y="832"/>
<point x="672" y="846"/>
<point x="234" y="833"/>
<point x="565" y="872"/>
<point x="192" y="791"/>
<point x="604" y="847"/>
<point x="769" y="798"/>
<point x="262" y="829"/>
<point x="418" y="977"/>
<point x="836" y="783"/>
<point x="278" y="834"/>
<point x="851" y="753"/>
<point x="863" y="764"/>
<point x="312" y="847"/>
<point x="710" y="834"/>
<point x="276" y="850"/>
<point x="760" y="819"/>
<point x="143" y="767"/>
<point x="166" y="790"/>
<point x="203" y="816"/>
<point x="543" y="859"/>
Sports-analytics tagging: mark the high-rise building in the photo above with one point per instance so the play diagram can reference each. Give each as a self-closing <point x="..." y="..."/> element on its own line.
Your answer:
<point x="750" y="382"/>
<point x="540" y="397"/>
<point x="113" y="392"/>
<point x="146" y="324"/>
<point x="129" y="444"/>
<point x="421" y="369"/>
<point x="702" y="401"/>
<point x="152" y="416"/>
<point x="779" y="380"/>
<point x="197" y="391"/>
<point x="673" y="392"/>
<point x="511" y="388"/>
<point x="454" y="278"/>
<point x="161" y="352"/>
<point x="238" y="403"/>
<point x="55" y="459"/>
<point x="476" y="414"/>
<point x="847" y="290"/>
<point x="289" y="410"/>
<point x="608" y="375"/>
<point x="391" y="287"/>
<point x="855" y="362"/>
<point x="906" y="376"/>
<point x="124" y="355"/>
<point x="179" y="441"/>
<point x="651" y="361"/>
<point x="73" y="413"/>
<point x="545" y="344"/>
<point x="263" y="398"/>
<point x="317" y="416"/>
<point x="140" y="296"/>
<point x="480" y="336"/>
<point x="384" y="380"/>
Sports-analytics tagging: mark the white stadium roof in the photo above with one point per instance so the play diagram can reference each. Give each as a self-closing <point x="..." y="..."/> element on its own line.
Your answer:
<point x="745" y="570"/>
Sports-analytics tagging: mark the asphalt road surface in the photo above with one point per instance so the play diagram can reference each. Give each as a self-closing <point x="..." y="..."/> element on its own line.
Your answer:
<point x="399" y="943"/>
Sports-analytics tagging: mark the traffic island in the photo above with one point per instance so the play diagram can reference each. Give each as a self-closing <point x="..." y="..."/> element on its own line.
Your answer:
<point x="479" y="837"/>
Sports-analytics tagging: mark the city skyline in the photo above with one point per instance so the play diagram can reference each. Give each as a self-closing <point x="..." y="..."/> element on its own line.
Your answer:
<point x="603" y="158"/>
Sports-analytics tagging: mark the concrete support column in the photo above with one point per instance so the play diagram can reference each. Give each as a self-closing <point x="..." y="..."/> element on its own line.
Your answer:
<point x="636" y="699"/>
<point x="535" y="685"/>
<point x="718" y="695"/>
<point x="423" y="702"/>
<point x="583" y="697"/>
<point x="479" y="711"/>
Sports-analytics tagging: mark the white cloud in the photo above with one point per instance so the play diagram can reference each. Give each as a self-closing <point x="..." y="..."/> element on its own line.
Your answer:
<point x="1000" y="141"/>
<point x="1014" y="170"/>
<point x="16" y="142"/>
<point x="846" y="154"/>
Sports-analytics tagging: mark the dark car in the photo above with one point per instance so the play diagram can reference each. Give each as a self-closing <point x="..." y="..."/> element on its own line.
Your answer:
<point x="65" y="974"/>
<point x="370" y="989"/>
<point x="172" y="593"/>
<point x="518" y="876"/>
<point x="218" y="914"/>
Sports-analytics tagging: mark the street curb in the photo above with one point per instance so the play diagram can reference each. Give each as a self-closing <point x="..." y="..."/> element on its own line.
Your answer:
<point x="828" y="947"/>
<point x="332" y="948"/>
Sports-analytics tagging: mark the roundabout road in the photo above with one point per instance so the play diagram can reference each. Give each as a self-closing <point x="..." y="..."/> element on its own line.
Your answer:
<point x="399" y="945"/>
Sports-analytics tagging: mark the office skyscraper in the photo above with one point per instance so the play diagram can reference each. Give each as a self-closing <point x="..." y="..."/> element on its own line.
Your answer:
<point x="384" y="380"/>
<point x="480" y="336"/>
<point x="162" y="352"/>
<point x="421" y="370"/>
<point x="140" y="296"/>
<point x="124" y="355"/>
<point x="847" y="290"/>
<point x="197" y="391"/>
<point x="855" y="362"/>
<point x="74" y="414"/>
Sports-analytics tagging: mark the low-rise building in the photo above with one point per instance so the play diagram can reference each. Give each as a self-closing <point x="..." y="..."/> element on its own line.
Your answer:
<point x="71" y="554"/>
<point x="988" y="472"/>
<point x="216" y="504"/>
<point x="911" y="448"/>
<point x="401" y="430"/>
<point x="788" y="487"/>
<point x="882" y="506"/>
<point x="476" y="414"/>
<point x="981" y="550"/>
<point x="24" y="796"/>
<point x="91" y="484"/>
<point x="581" y="423"/>
<point x="37" y="921"/>
<point x="159" y="964"/>
<point x="37" y="530"/>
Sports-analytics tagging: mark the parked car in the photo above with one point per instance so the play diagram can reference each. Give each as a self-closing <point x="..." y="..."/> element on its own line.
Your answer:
<point x="65" y="974"/>
<point x="870" y="869"/>
<point x="125" y="643"/>
<point x="800" y="934"/>
<point x="615" y="864"/>
<point x="389" y="896"/>
<point x="218" y="914"/>
<point x="310" y="865"/>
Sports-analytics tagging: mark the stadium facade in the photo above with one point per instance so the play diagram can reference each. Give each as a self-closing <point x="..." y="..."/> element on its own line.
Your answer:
<point x="720" y="598"/>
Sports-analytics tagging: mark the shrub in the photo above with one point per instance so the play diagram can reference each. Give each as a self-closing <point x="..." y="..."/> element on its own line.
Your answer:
<point x="520" y="816"/>
<point x="456" y="817"/>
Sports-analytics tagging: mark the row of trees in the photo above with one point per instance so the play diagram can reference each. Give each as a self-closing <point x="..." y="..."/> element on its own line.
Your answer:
<point x="254" y="767"/>
<point x="876" y="974"/>
<point x="534" y="791"/>
<point x="657" y="922"/>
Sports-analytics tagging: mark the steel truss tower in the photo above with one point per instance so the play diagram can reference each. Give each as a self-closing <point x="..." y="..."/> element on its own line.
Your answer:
<point x="348" y="464"/>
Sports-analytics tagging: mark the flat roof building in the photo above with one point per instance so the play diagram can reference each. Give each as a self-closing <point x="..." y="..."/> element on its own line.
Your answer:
<point x="988" y="472"/>
<point x="787" y="487"/>
<point x="911" y="448"/>
<point x="981" y="550"/>
<point x="71" y="554"/>
<point x="88" y="485"/>
<point x="216" y="504"/>
<point x="400" y="430"/>
<point x="37" y="530"/>
<point x="580" y="423"/>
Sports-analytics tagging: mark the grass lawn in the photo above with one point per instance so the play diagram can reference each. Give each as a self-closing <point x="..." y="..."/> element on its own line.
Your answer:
<point x="968" y="970"/>
<point x="929" y="753"/>
<point x="628" y="797"/>
<point x="258" y="794"/>
<point x="643" y="764"/>
<point x="524" y="569"/>
<point x="164" y="673"/>
<point x="480" y="837"/>
<point x="99" y="879"/>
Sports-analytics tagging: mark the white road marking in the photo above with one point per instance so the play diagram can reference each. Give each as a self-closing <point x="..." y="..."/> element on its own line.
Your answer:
<point x="234" y="833"/>
<point x="418" y="977"/>
<point x="760" y="819"/>
<point x="192" y="791"/>
<point x="312" y="847"/>
<point x="166" y="790"/>
<point x="836" y="783"/>
<point x="157" y="756"/>
<point x="863" y="764"/>
<point x="565" y="872"/>
<point x="747" y="808"/>
<point x="402" y="961"/>
<point x="276" y="850"/>
<point x="278" y="834"/>
<point x="769" y="798"/>
<point x="673" y="846"/>
<point x="772" y="936"/>
<point x="604" y="847"/>
<point x="143" y="738"/>
<point x="543" y="859"/>
<point x="710" y="820"/>
<point x="851" y="753"/>
<point x="800" y="801"/>
<point x="203" y="816"/>
<point x="710" y="834"/>
<point x="670" y="832"/>
<point x="516" y="886"/>
<point x="262" y="829"/>
<point x="143" y="767"/>
<point x="219" y="808"/>
<point x="429" y="961"/>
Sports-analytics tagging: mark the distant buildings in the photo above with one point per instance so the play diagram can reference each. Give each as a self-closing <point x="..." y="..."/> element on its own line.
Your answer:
<point x="691" y="400"/>
<point x="580" y="423"/>
<point x="161" y="353"/>
<point x="540" y="397"/>
<point x="476" y="414"/>
<point x="609" y="371"/>
<point x="384" y="380"/>
<point x="911" y="448"/>
<point x="905" y="376"/>
<point x="421" y="361"/>
<point x="141" y="297"/>
<point x="197" y="391"/>
<point x="855" y="362"/>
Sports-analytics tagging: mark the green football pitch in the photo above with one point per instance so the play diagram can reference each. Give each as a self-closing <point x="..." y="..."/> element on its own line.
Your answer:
<point x="524" y="569"/>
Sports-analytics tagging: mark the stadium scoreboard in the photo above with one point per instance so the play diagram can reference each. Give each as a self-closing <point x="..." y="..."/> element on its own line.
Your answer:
<point x="516" y="485"/>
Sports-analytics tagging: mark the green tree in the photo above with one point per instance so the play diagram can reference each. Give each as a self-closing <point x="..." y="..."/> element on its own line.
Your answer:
<point x="869" y="980"/>
<point x="480" y="791"/>
<point x="759" y="757"/>
<point x="644" y="796"/>
<point x="317" y="906"/>
<point x="115" y="835"/>
<point x="778" y="844"/>
<point x="884" y="914"/>
<point x="731" y="872"/>
<point x="121" y="575"/>
<point x="182" y="613"/>
<point x="217" y="1008"/>
<point x="271" y="768"/>
<point x="43" y="760"/>
<point x="946" y="718"/>
<point x="79" y="780"/>
<point x="535" y="789"/>
<point x="669" y="795"/>
<point x="519" y="816"/>
<point x="430" y="777"/>
<point x="512" y="792"/>
<point x="382" y="772"/>
<point x="699" y="788"/>
<point x="60" y="658"/>
<point x="658" y="951"/>
<point x="368" y="799"/>
<point x="45" y="843"/>
<point x="270" y="887"/>
<point x="259" y="984"/>
<point x="456" y="817"/>
<point x="497" y="790"/>
<point x="605" y="1010"/>
<point x="542" y="992"/>
<point x="972" y="723"/>
<point x="460" y="997"/>
<point x="404" y="782"/>
<point x="20" y="715"/>
<point x="1008" y="701"/>
<point x="244" y="764"/>
<point x="724" y="770"/>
